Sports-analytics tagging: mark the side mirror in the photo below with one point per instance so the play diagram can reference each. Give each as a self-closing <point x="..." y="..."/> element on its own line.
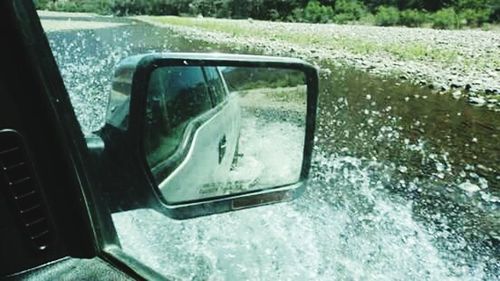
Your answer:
<point x="215" y="132"/>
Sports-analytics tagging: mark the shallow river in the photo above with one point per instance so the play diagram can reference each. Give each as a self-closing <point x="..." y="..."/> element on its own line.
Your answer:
<point x="405" y="184"/>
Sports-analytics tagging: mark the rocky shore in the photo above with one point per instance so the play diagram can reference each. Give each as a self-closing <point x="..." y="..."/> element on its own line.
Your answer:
<point x="462" y="63"/>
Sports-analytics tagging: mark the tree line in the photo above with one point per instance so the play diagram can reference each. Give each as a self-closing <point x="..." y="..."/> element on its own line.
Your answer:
<point x="435" y="13"/>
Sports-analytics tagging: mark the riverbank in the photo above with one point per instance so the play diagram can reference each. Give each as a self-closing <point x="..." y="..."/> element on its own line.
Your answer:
<point x="462" y="63"/>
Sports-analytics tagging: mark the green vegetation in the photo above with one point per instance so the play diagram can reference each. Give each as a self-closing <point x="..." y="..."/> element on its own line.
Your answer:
<point x="438" y="14"/>
<point x="348" y="11"/>
<point x="446" y="19"/>
<point x="92" y="6"/>
<point x="315" y="12"/>
<point x="412" y="18"/>
<point x="387" y="16"/>
<point x="241" y="78"/>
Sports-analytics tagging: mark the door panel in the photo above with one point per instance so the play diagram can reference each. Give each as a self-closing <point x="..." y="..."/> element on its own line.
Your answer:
<point x="197" y="175"/>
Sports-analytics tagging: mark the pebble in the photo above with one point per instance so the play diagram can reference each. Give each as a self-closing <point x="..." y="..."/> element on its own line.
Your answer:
<point x="325" y="71"/>
<point x="477" y="101"/>
<point x="469" y="187"/>
<point x="456" y="95"/>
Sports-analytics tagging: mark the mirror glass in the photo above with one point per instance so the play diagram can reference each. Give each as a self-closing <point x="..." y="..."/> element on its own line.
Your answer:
<point x="213" y="131"/>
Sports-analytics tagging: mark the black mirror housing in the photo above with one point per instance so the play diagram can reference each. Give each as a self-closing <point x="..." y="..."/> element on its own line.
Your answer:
<point x="126" y="123"/>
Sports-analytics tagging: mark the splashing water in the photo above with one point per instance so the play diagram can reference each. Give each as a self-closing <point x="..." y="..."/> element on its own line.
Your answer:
<point x="344" y="227"/>
<point x="389" y="197"/>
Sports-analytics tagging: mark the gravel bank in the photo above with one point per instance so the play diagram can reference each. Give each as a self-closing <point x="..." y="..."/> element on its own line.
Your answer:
<point x="470" y="68"/>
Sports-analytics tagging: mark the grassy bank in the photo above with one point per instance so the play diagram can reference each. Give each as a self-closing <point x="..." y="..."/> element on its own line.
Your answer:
<point x="445" y="60"/>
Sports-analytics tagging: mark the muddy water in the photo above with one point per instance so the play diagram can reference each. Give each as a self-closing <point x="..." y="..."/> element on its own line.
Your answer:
<point x="406" y="183"/>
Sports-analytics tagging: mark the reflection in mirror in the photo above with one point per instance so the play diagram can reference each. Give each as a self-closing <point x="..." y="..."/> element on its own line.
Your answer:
<point x="213" y="131"/>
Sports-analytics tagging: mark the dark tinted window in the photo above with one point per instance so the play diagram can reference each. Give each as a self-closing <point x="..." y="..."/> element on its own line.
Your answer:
<point x="215" y="83"/>
<point x="176" y="95"/>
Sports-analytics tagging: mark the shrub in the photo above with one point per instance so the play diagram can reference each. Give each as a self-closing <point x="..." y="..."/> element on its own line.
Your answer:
<point x="64" y="6"/>
<point x="317" y="13"/>
<point x="296" y="15"/>
<point x="208" y="8"/>
<point x="41" y="4"/>
<point x="387" y="16"/>
<point x="200" y="7"/>
<point x="446" y="19"/>
<point x="274" y="15"/>
<point x="343" y="18"/>
<point x="412" y="18"/>
<point x="368" y="19"/>
<point x="128" y="7"/>
<point x="348" y="10"/>
<point x="475" y="17"/>
<point x="495" y="12"/>
<point x="97" y="6"/>
<point x="486" y="27"/>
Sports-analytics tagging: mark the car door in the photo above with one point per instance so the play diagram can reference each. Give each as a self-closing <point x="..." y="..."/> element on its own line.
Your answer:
<point x="45" y="226"/>
<point x="190" y="95"/>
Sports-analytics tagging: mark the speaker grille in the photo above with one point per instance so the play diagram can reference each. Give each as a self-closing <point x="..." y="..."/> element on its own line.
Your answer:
<point x="19" y="182"/>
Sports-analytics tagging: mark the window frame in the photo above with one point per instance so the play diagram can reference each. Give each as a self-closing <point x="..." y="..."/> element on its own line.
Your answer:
<point x="93" y="224"/>
<point x="211" y="89"/>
